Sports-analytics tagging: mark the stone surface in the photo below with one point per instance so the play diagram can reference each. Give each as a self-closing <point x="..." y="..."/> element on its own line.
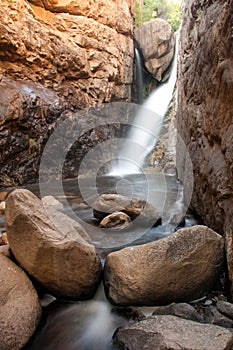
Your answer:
<point x="205" y="105"/>
<point x="213" y="316"/>
<point x="181" y="267"/>
<point x="61" y="260"/>
<point x="5" y="250"/>
<point x="61" y="56"/>
<point x="20" y="309"/>
<point x="3" y="239"/>
<point x="225" y="308"/>
<point x="182" y="310"/>
<point x="116" y="221"/>
<point x="172" y="333"/>
<point x="156" y="41"/>
<point x="135" y="208"/>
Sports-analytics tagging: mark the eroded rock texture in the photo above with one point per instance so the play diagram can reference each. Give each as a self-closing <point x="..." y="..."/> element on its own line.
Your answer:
<point x="205" y="111"/>
<point x="205" y="107"/>
<point x="56" y="56"/>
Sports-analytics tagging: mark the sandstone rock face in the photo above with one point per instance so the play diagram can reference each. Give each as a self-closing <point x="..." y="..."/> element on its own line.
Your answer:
<point x="205" y="105"/>
<point x="173" y="333"/>
<point x="72" y="48"/>
<point x="62" y="261"/>
<point x="20" y="309"/>
<point x="156" y="40"/>
<point x="139" y="209"/>
<point x="61" y="56"/>
<point x="181" y="267"/>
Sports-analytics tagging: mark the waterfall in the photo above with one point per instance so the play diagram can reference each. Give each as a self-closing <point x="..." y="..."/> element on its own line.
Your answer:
<point x="139" y="76"/>
<point x="146" y="127"/>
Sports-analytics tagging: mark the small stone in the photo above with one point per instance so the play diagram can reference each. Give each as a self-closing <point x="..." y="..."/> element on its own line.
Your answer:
<point x="139" y="210"/>
<point x="225" y="308"/>
<point x="116" y="221"/>
<point x="2" y="207"/>
<point x="3" y="239"/>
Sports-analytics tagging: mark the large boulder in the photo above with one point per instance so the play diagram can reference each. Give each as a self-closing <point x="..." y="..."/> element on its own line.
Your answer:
<point x="181" y="267"/>
<point x="20" y="309"/>
<point x="156" y="40"/>
<point x="173" y="333"/>
<point x="61" y="260"/>
<point x="139" y="209"/>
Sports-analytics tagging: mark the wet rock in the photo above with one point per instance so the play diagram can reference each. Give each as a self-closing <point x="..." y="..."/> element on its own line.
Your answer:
<point x="116" y="221"/>
<point x="225" y="308"/>
<point x="131" y="313"/>
<point x="62" y="261"/>
<point x="173" y="333"/>
<point x="182" y="310"/>
<point x="181" y="267"/>
<point x="20" y="309"/>
<point x="156" y="41"/>
<point x="135" y="208"/>
<point x="213" y="316"/>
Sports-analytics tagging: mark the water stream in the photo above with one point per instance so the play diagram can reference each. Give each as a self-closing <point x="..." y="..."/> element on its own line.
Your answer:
<point x="146" y="127"/>
<point x="89" y="325"/>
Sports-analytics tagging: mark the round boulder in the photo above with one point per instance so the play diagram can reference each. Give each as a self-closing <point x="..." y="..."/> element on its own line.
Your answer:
<point x="156" y="41"/>
<point x="181" y="267"/>
<point x="20" y="309"/>
<point x="116" y="221"/>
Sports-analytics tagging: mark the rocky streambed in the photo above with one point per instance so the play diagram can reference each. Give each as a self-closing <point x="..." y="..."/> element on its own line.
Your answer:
<point x="165" y="294"/>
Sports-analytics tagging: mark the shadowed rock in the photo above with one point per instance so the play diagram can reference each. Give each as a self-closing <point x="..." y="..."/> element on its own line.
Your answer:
<point x="139" y="209"/>
<point x="61" y="260"/>
<point x="20" y="309"/>
<point x="173" y="333"/>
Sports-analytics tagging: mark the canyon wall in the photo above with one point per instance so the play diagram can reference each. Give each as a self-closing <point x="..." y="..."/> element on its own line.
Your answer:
<point x="205" y="111"/>
<point x="57" y="56"/>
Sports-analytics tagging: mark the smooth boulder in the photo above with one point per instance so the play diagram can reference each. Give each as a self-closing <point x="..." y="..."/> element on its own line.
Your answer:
<point x="20" y="309"/>
<point x="139" y="210"/>
<point x="173" y="333"/>
<point x="178" y="268"/>
<point x="116" y="221"/>
<point x="61" y="260"/>
<point x="156" y="41"/>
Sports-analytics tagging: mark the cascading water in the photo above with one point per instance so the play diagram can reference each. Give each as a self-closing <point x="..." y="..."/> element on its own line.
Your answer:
<point x="139" y="75"/>
<point x="146" y="127"/>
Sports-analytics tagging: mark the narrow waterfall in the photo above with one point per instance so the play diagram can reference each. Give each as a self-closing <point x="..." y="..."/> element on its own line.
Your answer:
<point x="139" y="76"/>
<point x="146" y="127"/>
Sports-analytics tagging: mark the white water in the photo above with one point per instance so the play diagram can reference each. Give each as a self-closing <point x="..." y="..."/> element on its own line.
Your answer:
<point x="146" y="127"/>
<point x="139" y="76"/>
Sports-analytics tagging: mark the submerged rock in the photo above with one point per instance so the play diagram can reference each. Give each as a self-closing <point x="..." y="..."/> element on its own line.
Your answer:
<point x="173" y="333"/>
<point x="181" y="267"/>
<point x="139" y="209"/>
<point x="20" y="309"/>
<point x="116" y="221"/>
<point x="62" y="261"/>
